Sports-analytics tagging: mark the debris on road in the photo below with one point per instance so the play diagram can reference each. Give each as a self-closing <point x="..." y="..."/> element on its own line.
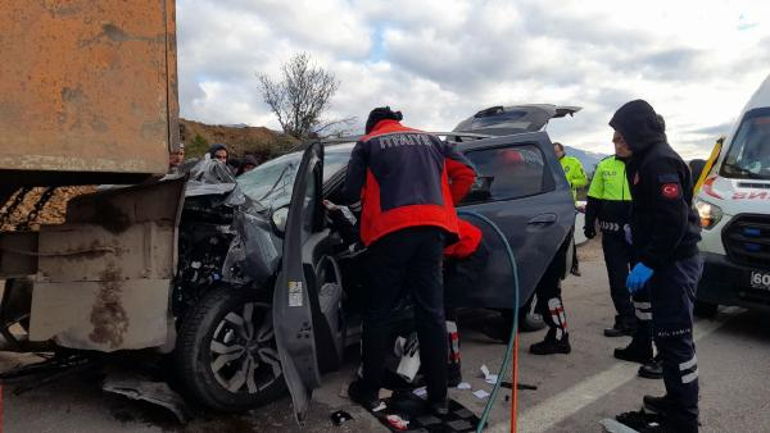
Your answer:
<point x="488" y="377"/>
<point x="137" y="387"/>
<point x="397" y="422"/>
<point x="340" y="417"/>
<point x="464" y="386"/>
<point x="421" y="392"/>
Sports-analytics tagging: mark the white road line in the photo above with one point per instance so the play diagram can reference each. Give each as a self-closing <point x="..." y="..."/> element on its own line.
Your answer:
<point x="559" y="407"/>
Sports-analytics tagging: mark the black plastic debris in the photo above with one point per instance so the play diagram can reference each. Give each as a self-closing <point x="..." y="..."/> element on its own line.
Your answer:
<point x="340" y="417"/>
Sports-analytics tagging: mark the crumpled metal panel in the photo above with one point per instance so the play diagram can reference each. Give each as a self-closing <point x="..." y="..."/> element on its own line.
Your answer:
<point x="87" y="85"/>
<point x="253" y="253"/>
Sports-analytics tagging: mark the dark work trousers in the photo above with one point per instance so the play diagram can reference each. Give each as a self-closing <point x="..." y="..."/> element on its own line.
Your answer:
<point x="642" y="339"/>
<point x="619" y="258"/>
<point x="406" y="262"/>
<point x="548" y="290"/>
<point x="672" y="292"/>
<point x="575" y="262"/>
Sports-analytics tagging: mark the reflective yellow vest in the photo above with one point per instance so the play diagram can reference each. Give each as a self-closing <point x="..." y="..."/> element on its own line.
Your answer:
<point x="576" y="175"/>
<point x="610" y="182"/>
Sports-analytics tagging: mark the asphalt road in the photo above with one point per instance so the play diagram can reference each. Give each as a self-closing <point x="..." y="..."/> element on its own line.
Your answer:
<point x="574" y="391"/>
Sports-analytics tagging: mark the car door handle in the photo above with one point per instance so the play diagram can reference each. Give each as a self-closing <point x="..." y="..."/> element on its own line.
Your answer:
<point x="545" y="218"/>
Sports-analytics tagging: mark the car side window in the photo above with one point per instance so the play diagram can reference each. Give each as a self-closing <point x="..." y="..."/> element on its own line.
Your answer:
<point x="506" y="173"/>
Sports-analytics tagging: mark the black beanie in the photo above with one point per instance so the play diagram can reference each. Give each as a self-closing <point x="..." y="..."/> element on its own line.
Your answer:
<point x="380" y="114"/>
<point x="216" y="147"/>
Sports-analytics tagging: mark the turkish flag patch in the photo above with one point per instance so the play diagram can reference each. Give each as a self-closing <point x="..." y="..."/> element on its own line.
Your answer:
<point x="670" y="190"/>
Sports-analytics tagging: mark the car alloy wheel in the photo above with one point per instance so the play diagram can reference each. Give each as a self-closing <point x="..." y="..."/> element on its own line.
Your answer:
<point x="243" y="353"/>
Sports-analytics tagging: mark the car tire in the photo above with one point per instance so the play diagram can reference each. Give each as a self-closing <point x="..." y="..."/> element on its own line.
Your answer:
<point x="226" y="356"/>
<point x="705" y="310"/>
<point x="529" y="320"/>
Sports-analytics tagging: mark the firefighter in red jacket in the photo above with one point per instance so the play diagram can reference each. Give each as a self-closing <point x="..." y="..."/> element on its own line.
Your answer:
<point x="407" y="182"/>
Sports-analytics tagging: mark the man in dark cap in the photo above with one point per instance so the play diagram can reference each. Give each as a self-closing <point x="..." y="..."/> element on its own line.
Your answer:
<point x="408" y="182"/>
<point x="665" y="232"/>
<point x="176" y="159"/>
<point x="219" y="152"/>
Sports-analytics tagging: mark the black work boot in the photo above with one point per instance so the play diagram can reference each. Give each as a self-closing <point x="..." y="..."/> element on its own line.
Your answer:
<point x="551" y="345"/>
<point x="657" y="405"/>
<point x="652" y="370"/>
<point x="620" y="330"/>
<point x="634" y="353"/>
<point x="367" y="399"/>
<point x="638" y="420"/>
<point x="643" y="422"/>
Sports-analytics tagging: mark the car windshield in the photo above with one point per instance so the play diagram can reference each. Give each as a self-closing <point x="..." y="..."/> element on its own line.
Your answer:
<point x="749" y="155"/>
<point x="271" y="183"/>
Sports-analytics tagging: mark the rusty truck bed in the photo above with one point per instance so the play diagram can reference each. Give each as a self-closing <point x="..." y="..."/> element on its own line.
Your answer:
<point x="88" y="91"/>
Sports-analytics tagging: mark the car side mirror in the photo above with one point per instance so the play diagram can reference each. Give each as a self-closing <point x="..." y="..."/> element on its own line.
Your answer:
<point x="481" y="189"/>
<point x="279" y="218"/>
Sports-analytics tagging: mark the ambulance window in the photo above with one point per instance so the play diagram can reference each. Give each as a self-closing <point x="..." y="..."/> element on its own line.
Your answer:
<point x="749" y="155"/>
<point x="512" y="172"/>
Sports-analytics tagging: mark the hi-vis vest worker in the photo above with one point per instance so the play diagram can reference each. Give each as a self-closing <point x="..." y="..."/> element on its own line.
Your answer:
<point x="609" y="199"/>
<point x="576" y="175"/>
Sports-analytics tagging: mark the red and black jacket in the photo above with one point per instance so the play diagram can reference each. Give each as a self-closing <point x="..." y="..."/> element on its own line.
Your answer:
<point x="406" y="178"/>
<point x="470" y="238"/>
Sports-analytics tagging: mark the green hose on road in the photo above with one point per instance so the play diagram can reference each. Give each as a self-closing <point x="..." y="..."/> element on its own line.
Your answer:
<point x="515" y="327"/>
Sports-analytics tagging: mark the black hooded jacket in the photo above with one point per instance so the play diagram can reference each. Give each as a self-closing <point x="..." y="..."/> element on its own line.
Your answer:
<point x="664" y="226"/>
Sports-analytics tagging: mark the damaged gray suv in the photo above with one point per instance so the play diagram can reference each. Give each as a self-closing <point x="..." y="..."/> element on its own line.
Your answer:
<point x="271" y="290"/>
<point x="246" y="285"/>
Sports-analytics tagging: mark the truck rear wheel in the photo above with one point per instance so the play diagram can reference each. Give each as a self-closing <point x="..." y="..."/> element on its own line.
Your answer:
<point x="226" y="354"/>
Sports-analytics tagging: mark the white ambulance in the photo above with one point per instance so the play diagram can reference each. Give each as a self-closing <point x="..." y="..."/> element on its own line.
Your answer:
<point x="734" y="208"/>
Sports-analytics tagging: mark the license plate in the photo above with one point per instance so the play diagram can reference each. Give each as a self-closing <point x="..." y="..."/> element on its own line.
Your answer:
<point x="760" y="280"/>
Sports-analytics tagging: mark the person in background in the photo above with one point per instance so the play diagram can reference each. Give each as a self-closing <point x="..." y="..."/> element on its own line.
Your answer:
<point x="573" y="169"/>
<point x="576" y="177"/>
<point x="248" y="163"/>
<point x="176" y="159"/>
<point x="219" y="152"/>
<point x="665" y="231"/>
<point x="407" y="182"/>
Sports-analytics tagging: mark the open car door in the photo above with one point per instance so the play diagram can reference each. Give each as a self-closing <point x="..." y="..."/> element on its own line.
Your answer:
<point x="295" y="292"/>
<point x="522" y="189"/>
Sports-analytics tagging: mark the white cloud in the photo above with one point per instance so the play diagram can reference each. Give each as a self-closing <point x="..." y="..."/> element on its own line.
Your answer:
<point x="440" y="61"/>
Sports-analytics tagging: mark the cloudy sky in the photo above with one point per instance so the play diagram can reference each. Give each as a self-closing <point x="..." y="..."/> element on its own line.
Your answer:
<point x="440" y="61"/>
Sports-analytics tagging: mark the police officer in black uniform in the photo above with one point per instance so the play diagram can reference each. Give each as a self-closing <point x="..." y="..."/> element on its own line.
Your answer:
<point x="665" y="235"/>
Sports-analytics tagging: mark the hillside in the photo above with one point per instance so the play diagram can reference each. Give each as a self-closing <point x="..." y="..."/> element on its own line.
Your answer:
<point x="239" y="139"/>
<point x="589" y="159"/>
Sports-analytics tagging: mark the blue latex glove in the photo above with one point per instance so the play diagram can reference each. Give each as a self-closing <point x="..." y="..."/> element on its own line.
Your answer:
<point x="638" y="277"/>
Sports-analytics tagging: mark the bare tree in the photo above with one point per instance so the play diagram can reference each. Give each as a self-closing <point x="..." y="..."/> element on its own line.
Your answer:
<point x="301" y="96"/>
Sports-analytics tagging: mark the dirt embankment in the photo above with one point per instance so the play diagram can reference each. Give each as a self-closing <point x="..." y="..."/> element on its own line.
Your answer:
<point x="240" y="140"/>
